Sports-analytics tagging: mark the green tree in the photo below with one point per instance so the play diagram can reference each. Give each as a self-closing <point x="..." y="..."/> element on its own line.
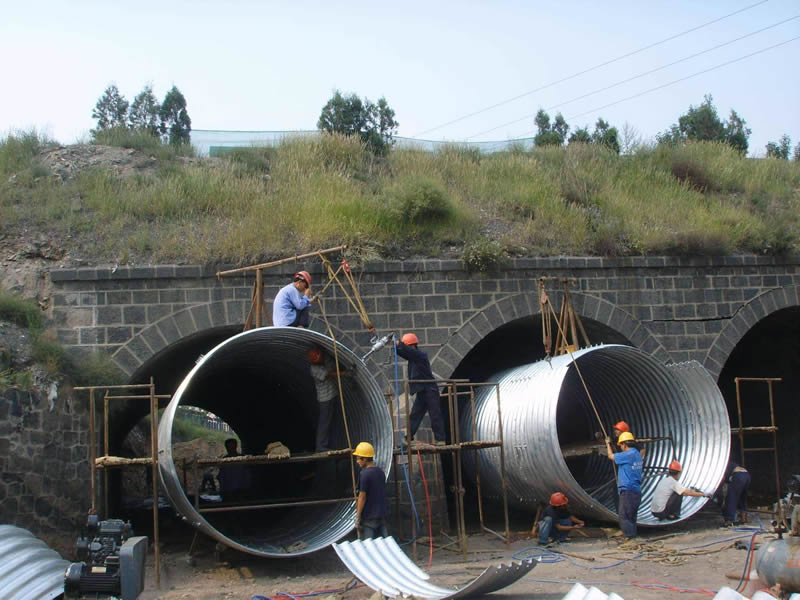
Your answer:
<point x="702" y="123"/>
<point x="605" y="135"/>
<point x="111" y="109"/>
<point x="781" y="148"/>
<point x="550" y="134"/>
<point x="374" y="124"/>
<point x="144" y="112"/>
<point x="174" y="119"/>
<point x="581" y="135"/>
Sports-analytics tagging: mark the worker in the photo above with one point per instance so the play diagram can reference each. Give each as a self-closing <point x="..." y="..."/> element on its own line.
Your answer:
<point x="557" y="521"/>
<point x="738" y="480"/>
<point x="291" y="307"/>
<point x="620" y="428"/>
<point x="422" y="384"/>
<point x="629" y="481"/>
<point x="323" y="371"/>
<point x="234" y="479"/>
<point x="667" y="498"/>
<point x="371" y="504"/>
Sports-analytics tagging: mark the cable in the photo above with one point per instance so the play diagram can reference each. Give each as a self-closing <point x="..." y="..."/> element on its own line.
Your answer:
<point x="603" y="64"/>
<point x="428" y="502"/>
<point x="629" y="79"/>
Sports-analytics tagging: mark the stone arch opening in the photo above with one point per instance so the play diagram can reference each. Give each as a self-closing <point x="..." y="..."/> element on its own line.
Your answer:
<point x="770" y="347"/>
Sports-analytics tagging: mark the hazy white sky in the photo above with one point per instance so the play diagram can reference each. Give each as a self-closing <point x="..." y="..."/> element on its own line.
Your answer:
<point x="259" y="65"/>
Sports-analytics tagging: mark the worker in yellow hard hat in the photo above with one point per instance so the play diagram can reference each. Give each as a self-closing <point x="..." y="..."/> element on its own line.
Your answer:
<point x="423" y="385"/>
<point x="371" y="504"/>
<point x="629" y="481"/>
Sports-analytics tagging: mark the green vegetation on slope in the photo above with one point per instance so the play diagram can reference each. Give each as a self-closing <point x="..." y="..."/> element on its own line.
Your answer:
<point x="316" y="192"/>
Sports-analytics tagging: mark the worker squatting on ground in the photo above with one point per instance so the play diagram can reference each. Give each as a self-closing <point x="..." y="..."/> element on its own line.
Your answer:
<point x="629" y="481"/>
<point x="427" y="394"/>
<point x="667" y="498"/>
<point x="371" y="504"/>
<point x="556" y="522"/>
<point x="292" y="304"/>
<point x="323" y="371"/>
<point x="736" y="499"/>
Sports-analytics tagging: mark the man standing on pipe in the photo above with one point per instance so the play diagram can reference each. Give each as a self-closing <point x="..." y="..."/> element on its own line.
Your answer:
<point x="292" y="304"/>
<point x="427" y="394"/>
<point x="371" y="504"/>
<point x="629" y="482"/>
<point x="667" y="498"/>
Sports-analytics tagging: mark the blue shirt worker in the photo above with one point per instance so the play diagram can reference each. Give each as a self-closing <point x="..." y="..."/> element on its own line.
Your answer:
<point x="371" y="504"/>
<point x="427" y="394"/>
<point x="556" y="522"/>
<point x="736" y="499"/>
<point x="292" y="304"/>
<point x="629" y="481"/>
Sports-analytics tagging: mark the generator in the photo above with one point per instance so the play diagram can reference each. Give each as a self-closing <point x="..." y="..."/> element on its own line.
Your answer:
<point x="111" y="562"/>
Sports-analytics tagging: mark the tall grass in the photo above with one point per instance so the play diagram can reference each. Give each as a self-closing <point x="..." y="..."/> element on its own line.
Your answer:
<point x="18" y="151"/>
<point x="326" y="190"/>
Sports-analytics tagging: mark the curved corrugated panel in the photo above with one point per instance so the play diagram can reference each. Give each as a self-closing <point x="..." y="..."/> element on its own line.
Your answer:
<point x="545" y="408"/>
<point x="29" y="570"/>
<point x="384" y="567"/>
<point x="278" y="353"/>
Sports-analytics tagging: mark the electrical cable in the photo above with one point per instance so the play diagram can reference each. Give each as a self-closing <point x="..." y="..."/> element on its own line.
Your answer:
<point x="603" y="64"/>
<point x="629" y="79"/>
<point x="352" y="584"/>
<point x="428" y="502"/>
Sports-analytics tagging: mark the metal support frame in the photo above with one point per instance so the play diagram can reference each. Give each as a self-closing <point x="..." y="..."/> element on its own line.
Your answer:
<point x="104" y="465"/>
<point x="772" y="428"/>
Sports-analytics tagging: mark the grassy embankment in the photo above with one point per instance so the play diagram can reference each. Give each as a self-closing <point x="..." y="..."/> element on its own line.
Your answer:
<point x="266" y="202"/>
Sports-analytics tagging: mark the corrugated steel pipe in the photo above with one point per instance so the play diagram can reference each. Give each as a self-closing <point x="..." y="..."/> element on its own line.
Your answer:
<point x="545" y="409"/>
<point x="259" y="383"/>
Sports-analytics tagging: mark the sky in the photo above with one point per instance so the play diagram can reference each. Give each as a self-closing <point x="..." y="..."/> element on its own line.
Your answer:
<point x="451" y="70"/>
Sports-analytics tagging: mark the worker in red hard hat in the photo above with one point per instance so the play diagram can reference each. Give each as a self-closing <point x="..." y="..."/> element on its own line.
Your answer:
<point x="556" y="522"/>
<point x="667" y="498"/>
<point x="620" y="428"/>
<point x="325" y="374"/>
<point x="291" y="307"/>
<point x="423" y="385"/>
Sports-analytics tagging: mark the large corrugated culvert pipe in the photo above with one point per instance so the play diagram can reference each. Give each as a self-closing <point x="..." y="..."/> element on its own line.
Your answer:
<point x="259" y="383"/>
<point x="550" y="429"/>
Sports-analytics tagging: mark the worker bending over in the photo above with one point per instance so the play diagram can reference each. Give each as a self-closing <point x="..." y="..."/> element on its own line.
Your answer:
<point x="667" y="498"/>
<point x="371" y="504"/>
<point x="427" y="393"/>
<point x="291" y="307"/>
<point x="629" y="481"/>
<point x="323" y="371"/>
<point x="735" y="505"/>
<point x="556" y="522"/>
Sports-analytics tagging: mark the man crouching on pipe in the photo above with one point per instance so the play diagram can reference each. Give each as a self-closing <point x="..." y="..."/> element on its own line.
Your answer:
<point x="629" y="482"/>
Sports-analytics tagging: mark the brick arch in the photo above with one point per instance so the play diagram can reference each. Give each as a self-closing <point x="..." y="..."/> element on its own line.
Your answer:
<point x="518" y="306"/>
<point x="743" y="320"/>
<point x="190" y="320"/>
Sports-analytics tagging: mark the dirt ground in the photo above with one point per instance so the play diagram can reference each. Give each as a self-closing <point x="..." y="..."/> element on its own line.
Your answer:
<point x="240" y="576"/>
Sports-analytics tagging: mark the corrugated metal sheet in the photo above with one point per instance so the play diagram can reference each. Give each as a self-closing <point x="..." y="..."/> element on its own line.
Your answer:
<point x="29" y="570"/>
<point x="384" y="567"/>
<point x="544" y="405"/>
<point x="581" y="592"/>
<point x="279" y="351"/>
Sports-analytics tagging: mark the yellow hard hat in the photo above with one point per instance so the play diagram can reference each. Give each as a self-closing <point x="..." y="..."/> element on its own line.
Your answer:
<point x="364" y="450"/>
<point x="625" y="436"/>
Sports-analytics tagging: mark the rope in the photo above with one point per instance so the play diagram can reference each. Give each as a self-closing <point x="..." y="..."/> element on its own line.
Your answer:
<point x="355" y="301"/>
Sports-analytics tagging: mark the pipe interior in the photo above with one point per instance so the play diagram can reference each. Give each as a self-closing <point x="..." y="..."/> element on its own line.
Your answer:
<point x="260" y="384"/>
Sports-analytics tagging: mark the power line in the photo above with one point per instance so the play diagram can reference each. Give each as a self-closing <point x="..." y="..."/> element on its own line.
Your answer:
<point x="574" y="75"/>
<point x="661" y="87"/>
<point x="629" y="79"/>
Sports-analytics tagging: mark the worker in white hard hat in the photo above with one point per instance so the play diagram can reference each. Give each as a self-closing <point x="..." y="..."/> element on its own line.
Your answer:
<point x="668" y="496"/>
<point x="423" y="385"/>
<point x="371" y="504"/>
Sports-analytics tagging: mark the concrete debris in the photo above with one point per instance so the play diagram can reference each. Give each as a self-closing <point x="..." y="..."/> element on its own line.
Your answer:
<point x="277" y="450"/>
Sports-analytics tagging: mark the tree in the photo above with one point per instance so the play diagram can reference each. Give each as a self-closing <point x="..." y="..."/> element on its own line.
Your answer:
<point x="144" y="112"/>
<point x="631" y="139"/>
<point x="702" y="123"/>
<point x="374" y="124"/>
<point x="605" y="135"/>
<point x="111" y="109"/>
<point x="796" y="153"/>
<point x="781" y="148"/>
<point x="550" y="135"/>
<point x="581" y="135"/>
<point x="174" y="119"/>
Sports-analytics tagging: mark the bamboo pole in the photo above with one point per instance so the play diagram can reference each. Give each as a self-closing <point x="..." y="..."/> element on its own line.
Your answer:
<point x="282" y="261"/>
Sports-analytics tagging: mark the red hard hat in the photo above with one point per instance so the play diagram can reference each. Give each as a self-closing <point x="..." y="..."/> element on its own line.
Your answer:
<point x="314" y="355"/>
<point x="558" y="499"/>
<point x="675" y="466"/>
<point x="409" y="339"/>
<point x="622" y="426"/>
<point x="304" y="276"/>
